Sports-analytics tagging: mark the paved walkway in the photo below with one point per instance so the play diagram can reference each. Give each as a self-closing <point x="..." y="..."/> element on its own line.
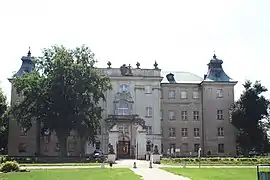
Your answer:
<point x="157" y="174"/>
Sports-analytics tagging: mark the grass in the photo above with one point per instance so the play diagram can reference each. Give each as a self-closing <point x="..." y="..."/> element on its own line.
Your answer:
<point x="71" y="174"/>
<point x="215" y="173"/>
<point x="62" y="164"/>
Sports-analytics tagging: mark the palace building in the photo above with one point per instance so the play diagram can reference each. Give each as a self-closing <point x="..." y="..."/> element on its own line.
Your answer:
<point x="179" y="112"/>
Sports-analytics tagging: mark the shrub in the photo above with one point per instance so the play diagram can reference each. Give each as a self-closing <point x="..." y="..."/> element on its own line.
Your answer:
<point x="218" y="161"/>
<point x="10" y="166"/>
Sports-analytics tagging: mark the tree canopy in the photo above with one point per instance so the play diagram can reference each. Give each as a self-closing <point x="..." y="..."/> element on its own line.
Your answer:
<point x="63" y="93"/>
<point x="249" y="116"/>
<point x="3" y="122"/>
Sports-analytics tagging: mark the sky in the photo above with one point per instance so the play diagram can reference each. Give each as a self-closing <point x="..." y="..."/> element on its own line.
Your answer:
<point x="180" y="35"/>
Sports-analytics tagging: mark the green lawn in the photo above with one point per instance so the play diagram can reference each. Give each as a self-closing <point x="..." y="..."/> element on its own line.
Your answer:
<point x="215" y="173"/>
<point x="72" y="174"/>
<point x="62" y="164"/>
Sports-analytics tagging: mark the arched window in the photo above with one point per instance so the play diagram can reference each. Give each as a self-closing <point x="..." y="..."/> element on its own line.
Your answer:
<point x="123" y="108"/>
<point x="123" y="88"/>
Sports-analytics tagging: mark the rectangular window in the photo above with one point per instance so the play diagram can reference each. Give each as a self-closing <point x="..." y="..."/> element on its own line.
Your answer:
<point x="172" y="132"/>
<point x="221" y="148"/>
<point x="219" y="93"/>
<point x="196" y="147"/>
<point x="23" y="131"/>
<point x="148" y="112"/>
<point x="195" y="93"/>
<point x="184" y="132"/>
<point x="123" y="109"/>
<point x="161" y="114"/>
<point x="185" y="147"/>
<point x="220" y="114"/>
<point x="171" y="94"/>
<point x="184" y="94"/>
<point x="22" y="147"/>
<point x="71" y="146"/>
<point x="148" y="90"/>
<point x="196" y="132"/>
<point x="149" y="129"/>
<point x="220" y="131"/>
<point x="171" y="115"/>
<point x="196" y="115"/>
<point x="184" y="115"/>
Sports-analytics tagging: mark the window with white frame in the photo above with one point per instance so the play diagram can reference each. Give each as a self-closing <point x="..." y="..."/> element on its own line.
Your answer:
<point x="171" y="94"/>
<point x="149" y="129"/>
<point x="184" y="115"/>
<point x="171" y="115"/>
<point x="123" y="128"/>
<point x="220" y="131"/>
<point x="23" y="131"/>
<point x="196" y="115"/>
<point x="123" y="108"/>
<point x="219" y="93"/>
<point x="148" y="89"/>
<point x="123" y="88"/>
<point x="148" y="112"/>
<point x="220" y="114"/>
<point x="172" y="132"/>
<point x="184" y="132"/>
<point x="195" y="93"/>
<point x="196" y="132"/>
<point x="184" y="94"/>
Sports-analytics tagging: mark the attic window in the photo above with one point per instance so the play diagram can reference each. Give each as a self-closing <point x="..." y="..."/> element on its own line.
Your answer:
<point x="170" y="78"/>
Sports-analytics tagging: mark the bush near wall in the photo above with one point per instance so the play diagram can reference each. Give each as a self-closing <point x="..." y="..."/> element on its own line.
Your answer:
<point x="217" y="161"/>
<point x="49" y="159"/>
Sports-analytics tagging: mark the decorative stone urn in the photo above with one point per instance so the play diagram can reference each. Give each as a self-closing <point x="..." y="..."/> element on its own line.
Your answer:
<point x="156" y="155"/>
<point x="111" y="154"/>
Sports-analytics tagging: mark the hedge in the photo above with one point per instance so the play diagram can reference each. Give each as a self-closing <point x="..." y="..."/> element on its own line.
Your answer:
<point x="217" y="160"/>
<point x="33" y="160"/>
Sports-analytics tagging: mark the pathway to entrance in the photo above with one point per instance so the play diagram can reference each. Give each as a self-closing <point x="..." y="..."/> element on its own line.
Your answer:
<point x="146" y="172"/>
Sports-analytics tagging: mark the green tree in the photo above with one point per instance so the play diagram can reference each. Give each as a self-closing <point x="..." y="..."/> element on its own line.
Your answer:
<point x="3" y="122"/>
<point x="63" y="94"/>
<point x="249" y="114"/>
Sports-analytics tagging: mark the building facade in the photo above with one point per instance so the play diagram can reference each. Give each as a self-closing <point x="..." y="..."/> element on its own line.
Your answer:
<point x="196" y="112"/>
<point x="178" y="112"/>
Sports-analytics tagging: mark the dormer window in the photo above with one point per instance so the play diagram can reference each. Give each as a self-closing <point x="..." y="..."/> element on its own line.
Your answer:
<point x="123" y="88"/>
<point x="170" y="78"/>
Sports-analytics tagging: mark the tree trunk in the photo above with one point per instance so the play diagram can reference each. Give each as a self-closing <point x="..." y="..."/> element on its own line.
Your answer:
<point x="38" y="138"/>
<point x="82" y="146"/>
<point x="62" y="140"/>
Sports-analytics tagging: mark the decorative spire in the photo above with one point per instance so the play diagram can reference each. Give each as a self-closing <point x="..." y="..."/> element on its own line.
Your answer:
<point x="216" y="72"/>
<point x="29" y="52"/>
<point x="156" y="65"/>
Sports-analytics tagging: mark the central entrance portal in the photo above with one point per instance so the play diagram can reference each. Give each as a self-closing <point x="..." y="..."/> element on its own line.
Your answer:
<point x="123" y="150"/>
